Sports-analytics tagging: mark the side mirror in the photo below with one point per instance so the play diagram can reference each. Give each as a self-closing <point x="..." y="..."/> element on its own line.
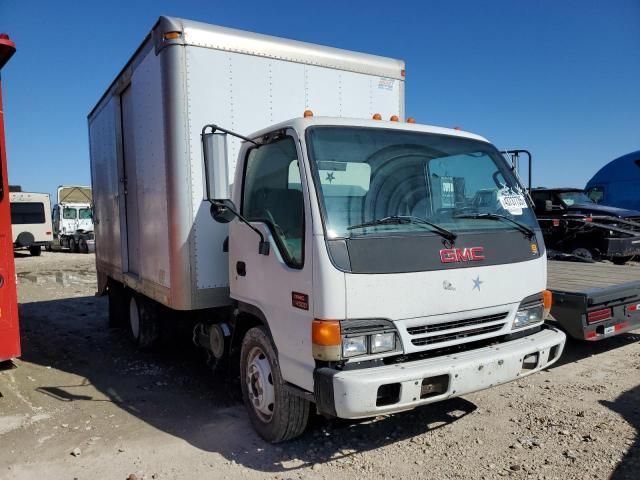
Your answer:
<point x="216" y="169"/>
<point x="223" y="211"/>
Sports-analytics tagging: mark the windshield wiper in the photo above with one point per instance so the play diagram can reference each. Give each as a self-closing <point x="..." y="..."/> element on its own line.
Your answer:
<point x="400" y="219"/>
<point x="496" y="216"/>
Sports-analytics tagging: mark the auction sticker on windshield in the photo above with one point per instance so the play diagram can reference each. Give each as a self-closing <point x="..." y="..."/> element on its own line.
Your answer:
<point x="512" y="202"/>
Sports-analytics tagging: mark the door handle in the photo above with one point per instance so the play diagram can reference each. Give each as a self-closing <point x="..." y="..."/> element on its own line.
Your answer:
<point x="241" y="268"/>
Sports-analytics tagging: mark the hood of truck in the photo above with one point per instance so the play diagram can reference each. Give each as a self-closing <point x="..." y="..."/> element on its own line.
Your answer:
<point x="596" y="209"/>
<point x="401" y="296"/>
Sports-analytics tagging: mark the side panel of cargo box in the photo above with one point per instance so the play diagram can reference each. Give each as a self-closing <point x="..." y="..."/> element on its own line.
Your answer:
<point x="129" y="182"/>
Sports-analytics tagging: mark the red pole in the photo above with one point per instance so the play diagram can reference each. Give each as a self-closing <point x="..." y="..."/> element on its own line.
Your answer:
<point x="9" y="327"/>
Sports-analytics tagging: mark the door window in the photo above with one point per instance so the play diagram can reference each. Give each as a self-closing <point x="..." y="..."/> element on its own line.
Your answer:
<point x="272" y="194"/>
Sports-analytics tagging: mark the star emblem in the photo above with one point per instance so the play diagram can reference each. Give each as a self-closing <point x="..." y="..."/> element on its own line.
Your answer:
<point x="330" y="177"/>
<point x="476" y="283"/>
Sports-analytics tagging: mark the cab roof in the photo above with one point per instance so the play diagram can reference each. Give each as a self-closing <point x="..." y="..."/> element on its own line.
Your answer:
<point x="303" y="123"/>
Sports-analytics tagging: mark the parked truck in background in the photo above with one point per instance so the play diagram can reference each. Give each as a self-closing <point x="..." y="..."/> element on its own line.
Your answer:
<point x="73" y="219"/>
<point x="346" y="266"/>
<point x="31" y="221"/>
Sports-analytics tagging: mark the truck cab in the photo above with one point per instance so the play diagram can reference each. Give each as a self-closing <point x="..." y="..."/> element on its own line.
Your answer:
<point x="384" y="287"/>
<point x="73" y="219"/>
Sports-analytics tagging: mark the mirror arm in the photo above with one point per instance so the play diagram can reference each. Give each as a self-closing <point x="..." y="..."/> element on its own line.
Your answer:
<point x="263" y="247"/>
<point x="214" y="128"/>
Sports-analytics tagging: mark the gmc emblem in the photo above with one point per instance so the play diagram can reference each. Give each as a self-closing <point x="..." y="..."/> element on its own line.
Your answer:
<point x="452" y="255"/>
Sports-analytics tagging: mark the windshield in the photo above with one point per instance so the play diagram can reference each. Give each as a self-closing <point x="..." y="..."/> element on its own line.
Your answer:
<point x="366" y="175"/>
<point x="573" y="198"/>
<point x="69" y="213"/>
<point x="84" y="213"/>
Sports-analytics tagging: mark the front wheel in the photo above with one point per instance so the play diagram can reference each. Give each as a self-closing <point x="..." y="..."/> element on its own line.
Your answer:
<point x="35" y="250"/>
<point x="276" y="414"/>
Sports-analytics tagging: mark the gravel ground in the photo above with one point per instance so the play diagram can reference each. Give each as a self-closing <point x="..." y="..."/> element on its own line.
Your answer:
<point x="82" y="403"/>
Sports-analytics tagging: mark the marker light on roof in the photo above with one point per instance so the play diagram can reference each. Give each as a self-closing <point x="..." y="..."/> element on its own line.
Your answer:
<point x="377" y="116"/>
<point x="307" y="114"/>
<point x="393" y="118"/>
<point x="411" y="120"/>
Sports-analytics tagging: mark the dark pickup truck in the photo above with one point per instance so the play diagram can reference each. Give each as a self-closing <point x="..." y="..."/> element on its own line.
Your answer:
<point x="572" y="223"/>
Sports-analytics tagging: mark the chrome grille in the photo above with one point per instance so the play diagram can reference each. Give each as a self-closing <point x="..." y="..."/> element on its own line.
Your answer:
<point x="447" y="337"/>
<point x="437" y="327"/>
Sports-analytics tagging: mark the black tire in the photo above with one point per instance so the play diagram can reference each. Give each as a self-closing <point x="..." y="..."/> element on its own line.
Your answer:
<point x="144" y="321"/>
<point x="83" y="247"/>
<point x="118" y="305"/>
<point x="35" y="250"/>
<point x="73" y="246"/>
<point x="621" y="260"/>
<point x="287" y="415"/>
<point x="585" y="253"/>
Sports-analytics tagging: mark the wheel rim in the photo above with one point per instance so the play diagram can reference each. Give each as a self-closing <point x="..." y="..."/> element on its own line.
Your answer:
<point x="259" y="379"/>
<point x="134" y="318"/>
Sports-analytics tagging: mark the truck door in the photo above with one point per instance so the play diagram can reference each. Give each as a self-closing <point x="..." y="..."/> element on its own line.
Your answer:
<point x="279" y="285"/>
<point x="129" y="182"/>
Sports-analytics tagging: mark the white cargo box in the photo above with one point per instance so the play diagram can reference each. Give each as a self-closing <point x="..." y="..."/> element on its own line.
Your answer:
<point x="153" y="229"/>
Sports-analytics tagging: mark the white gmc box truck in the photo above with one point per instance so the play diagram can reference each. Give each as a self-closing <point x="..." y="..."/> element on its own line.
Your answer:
<point x="360" y="265"/>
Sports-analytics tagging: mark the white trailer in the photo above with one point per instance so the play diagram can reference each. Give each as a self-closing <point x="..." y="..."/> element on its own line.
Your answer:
<point x="345" y="264"/>
<point x="31" y="221"/>
<point x="73" y="219"/>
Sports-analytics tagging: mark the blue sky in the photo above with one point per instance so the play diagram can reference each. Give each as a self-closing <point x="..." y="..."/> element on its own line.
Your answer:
<point x="559" y="78"/>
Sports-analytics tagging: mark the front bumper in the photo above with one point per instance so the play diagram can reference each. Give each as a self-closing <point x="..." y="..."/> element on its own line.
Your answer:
<point x="355" y="393"/>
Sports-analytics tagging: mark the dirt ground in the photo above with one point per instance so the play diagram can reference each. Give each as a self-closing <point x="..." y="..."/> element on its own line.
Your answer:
<point x="83" y="403"/>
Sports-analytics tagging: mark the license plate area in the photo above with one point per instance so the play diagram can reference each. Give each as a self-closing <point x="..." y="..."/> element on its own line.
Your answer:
<point x="434" y="386"/>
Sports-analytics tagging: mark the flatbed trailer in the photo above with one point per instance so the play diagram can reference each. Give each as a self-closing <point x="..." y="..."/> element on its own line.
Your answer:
<point x="593" y="301"/>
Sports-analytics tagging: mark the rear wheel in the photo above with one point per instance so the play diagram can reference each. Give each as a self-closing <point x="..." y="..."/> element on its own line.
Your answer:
<point x="276" y="414"/>
<point x="621" y="260"/>
<point x="73" y="246"/>
<point x="143" y="321"/>
<point x="35" y="250"/>
<point x="83" y="247"/>
<point x="118" y="305"/>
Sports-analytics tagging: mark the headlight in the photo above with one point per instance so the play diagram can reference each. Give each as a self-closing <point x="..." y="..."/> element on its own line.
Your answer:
<point x="529" y="316"/>
<point x="383" y="342"/>
<point x="353" y="346"/>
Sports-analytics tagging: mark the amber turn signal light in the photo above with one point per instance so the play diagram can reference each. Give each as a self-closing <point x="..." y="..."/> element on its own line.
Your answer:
<point x="326" y="333"/>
